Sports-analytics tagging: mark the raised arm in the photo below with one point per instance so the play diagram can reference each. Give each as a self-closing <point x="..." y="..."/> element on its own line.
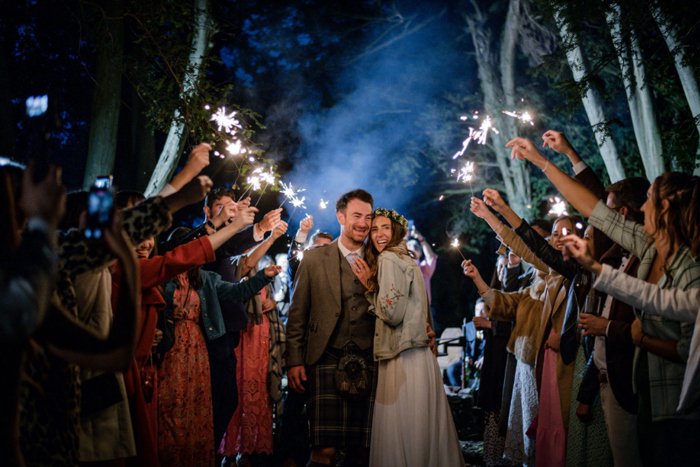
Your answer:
<point x="578" y="195"/>
<point x="500" y="306"/>
<point x="507" y="236"/>
<point x="252" y="258"/>
<point x="560" y="144"/>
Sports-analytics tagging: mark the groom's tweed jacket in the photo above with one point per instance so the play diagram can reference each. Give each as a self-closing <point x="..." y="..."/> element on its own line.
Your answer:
<point x="323" y="307"/>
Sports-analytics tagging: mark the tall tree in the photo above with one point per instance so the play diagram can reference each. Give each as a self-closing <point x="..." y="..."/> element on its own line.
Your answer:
<point x="495" y="57"/>
<point x="170" y="155"/>
<point x="592" y="101"/>
<point x="639" y="95"/>
<point x="106" y="99"/>
<point x="670" y="33"/>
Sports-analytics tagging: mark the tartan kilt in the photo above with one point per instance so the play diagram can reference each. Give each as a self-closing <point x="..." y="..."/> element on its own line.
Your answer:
<point x="336" y="421"/>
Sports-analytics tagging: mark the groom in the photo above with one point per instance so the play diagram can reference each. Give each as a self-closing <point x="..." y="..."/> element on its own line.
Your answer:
<point x="329" y="332"/>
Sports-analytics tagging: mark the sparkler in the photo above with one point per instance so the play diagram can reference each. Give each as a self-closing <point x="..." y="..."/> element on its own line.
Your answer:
<point x="323" y="204"/>
<point x="466" y="174"/>
<point x="558" y="207"/>
<point x="480" y="136"/>
<point x="289" y="193"/>
<point x="226" y="122"/>
<point x="297" y="203"/>
<point x="524" y="117"/>
<point x="270" y="179"/>
<point x="455" y="244"/>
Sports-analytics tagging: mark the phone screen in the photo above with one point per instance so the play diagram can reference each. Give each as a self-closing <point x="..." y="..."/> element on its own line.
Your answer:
<point x="99" y="212"/>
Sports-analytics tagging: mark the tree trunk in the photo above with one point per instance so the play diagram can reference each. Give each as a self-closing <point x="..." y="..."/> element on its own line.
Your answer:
<point x="639" y="95"/>
<point x="106" y="99"/>
<point x="170" y="155"/>
<point x="685" y="72"/>
<point x="497" y="87"/>
<point x="592" y="102"/>
<point x="7" y="125"/>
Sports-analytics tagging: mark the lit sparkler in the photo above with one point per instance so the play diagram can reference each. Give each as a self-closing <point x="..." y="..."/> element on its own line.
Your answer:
<point x="480" y="136"/>
<point x="234" y="147"/>
<point x="226" y="122"/>
<point x="558" y="207"/>
<point x="289" y="192"/>
<point x="323" y="204"/>
<point x="466" y="174"/>
<point x="524" y="117"/>
<point x="455" y="244"/>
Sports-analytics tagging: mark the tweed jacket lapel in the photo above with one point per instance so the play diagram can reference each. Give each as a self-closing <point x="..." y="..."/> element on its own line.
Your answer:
<point x="332" y="271"/>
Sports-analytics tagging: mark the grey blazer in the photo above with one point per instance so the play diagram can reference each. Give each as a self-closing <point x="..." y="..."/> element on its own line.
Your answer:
<point x="316" y="305"/>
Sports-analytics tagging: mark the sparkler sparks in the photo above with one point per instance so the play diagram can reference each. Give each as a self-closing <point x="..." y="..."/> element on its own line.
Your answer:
<point x="323" y="204"/>
<point x="524" y="117"/>
<point x="466" y="174"/>
<point x="558" y="207"/>
<point x="226" y="122"/>
<point x="480" y="136"/>
<point x="298" y="202"/>
<point x="455" y="244"/>
<point x="234" y="147"/>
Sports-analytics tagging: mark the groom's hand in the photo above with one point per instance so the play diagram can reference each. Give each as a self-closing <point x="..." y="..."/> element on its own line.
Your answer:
<point x="296" y="377"/>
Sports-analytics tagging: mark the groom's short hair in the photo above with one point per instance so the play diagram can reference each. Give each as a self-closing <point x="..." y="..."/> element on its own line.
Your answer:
<point x="359" y="193"/>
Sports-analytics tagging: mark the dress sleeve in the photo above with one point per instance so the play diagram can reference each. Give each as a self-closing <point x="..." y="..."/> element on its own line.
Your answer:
<point x="160" y="269"/>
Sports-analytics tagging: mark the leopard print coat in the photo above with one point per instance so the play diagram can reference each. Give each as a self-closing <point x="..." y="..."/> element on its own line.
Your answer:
<point x="50" y="387"/>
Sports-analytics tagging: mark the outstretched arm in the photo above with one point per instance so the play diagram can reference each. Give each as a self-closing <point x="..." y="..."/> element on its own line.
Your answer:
<point x="575" y="193"/>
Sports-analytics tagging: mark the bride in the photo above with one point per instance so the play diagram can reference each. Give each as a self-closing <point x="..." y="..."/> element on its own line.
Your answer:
<point x="412" y="423"/>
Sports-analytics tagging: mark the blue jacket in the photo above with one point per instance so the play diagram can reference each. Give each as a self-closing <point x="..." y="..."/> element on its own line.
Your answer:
<point x="215" y="292"/>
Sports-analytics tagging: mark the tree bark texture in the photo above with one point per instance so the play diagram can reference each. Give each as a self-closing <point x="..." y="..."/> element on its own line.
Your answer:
<point x="685" y="72"/>
<point x="170" y="155"/>
<point x="106" y="99"/>
<point x="639" y="95"/>
<point x="592" y="102"/>
<point x="496" y="76"/>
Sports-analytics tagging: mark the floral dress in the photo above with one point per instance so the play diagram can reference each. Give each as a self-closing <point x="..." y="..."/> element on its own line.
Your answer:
<point x="185" y="418"/>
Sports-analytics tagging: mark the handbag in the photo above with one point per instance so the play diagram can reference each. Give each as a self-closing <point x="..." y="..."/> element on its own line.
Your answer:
<point x="99" y="393"/>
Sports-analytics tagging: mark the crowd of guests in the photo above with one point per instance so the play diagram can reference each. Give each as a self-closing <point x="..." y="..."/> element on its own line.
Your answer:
<point x="141" y="349"/>
<point x="590" y="355"/>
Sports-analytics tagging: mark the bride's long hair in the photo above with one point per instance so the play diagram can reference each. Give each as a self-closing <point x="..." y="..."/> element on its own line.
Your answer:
<point x="396" y="244"/>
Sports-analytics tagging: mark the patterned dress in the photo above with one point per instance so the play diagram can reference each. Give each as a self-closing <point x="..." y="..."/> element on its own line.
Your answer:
<point x="185" y="419"/>
<point x="250" y="428"/>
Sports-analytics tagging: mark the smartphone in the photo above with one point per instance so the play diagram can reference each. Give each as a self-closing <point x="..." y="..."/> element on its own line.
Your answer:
<point x="100" y="207"/>
<point x="37" y="110"/>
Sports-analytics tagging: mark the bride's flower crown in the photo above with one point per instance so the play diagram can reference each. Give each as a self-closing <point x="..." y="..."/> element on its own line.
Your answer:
<point x="394" y="216"/>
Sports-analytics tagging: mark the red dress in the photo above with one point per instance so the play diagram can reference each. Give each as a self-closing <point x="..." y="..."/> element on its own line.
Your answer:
<point x="154" y="272"/>
<point x="250" y="428"/>
<point x="185" y="417"/>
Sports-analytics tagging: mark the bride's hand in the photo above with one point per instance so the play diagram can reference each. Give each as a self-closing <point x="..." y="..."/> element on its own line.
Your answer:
<point x="361" y="270"/>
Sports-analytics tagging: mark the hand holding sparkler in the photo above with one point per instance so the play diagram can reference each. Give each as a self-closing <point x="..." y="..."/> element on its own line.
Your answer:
<point x="199" y="158"/>
<point x="228" y="211"/>
<point x="244" y="218"/>
<point x="577" y="248"/>
<point x="279" y="230"/>
<point x="523" y="149"/>
<point x="493" y="198"/>
<point x="479" y="209"/>
<point x="270" y="220"/>
<point x="306" y="225"/>
<point x="244" y="203"/>
<point x="469" y="269"/>
<point x="557" y="141"/>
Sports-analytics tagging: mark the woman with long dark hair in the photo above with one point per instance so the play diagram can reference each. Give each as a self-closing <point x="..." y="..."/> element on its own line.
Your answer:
<point x="412" y="423"/>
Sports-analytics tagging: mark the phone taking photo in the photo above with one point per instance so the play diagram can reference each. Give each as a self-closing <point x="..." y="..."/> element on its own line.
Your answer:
<point x="100" y="207"/>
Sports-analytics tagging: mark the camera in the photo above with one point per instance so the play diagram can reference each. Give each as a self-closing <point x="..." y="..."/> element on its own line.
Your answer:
<point x="100" y="207"/>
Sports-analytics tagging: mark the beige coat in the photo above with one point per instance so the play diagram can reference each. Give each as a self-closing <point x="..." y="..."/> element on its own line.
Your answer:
<point x="553" y="299"/>
<point x="108" y="434"/>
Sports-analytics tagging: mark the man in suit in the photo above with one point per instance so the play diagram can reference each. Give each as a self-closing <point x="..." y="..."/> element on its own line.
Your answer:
<point x="329" y="322"/>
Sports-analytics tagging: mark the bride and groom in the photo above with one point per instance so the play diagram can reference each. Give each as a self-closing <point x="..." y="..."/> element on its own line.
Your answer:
<point x="358" y="347"/>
